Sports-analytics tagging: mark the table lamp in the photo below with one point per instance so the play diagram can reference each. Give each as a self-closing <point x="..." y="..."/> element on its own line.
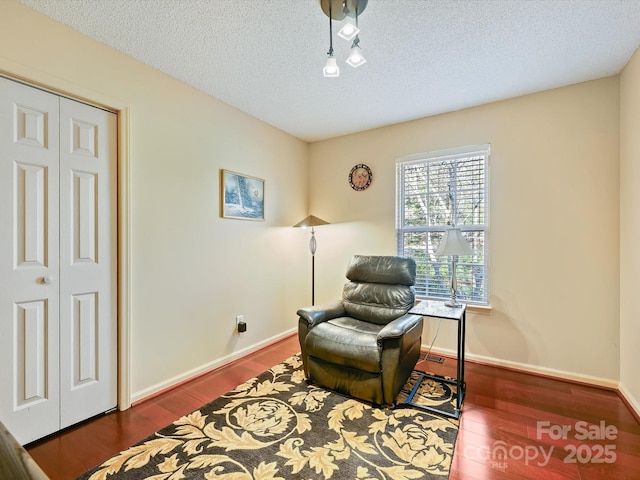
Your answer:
<point x="452" y="245"/>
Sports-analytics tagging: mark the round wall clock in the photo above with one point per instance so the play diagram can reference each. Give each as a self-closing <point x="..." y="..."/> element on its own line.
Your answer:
<point x="360" y="177"/>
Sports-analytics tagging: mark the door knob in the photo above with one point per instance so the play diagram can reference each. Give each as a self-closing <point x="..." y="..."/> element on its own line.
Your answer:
<point x="48" y="279"/>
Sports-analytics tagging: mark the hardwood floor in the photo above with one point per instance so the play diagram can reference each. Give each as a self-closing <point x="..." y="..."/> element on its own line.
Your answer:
<point x="513" y="426"/>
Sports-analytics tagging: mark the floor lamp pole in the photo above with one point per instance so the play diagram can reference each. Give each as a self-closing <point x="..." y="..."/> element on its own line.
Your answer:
<point x="313" y="245"/>
<point x="313" y="279"/>
<point x="312" y="221"/>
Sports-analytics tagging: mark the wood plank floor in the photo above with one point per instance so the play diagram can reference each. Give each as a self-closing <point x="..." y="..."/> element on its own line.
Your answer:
<point x="514" y="425"/>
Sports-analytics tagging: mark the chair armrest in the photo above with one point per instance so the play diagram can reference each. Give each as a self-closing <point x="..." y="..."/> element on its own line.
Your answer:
<point x="15" y="462"/>
<point x="399" y="327"/>
<point x="321" y="313"/>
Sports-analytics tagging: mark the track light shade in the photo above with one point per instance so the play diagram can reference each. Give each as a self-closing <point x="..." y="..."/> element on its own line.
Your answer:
<point x="348" y="31"/>
<point x="355" y="57"/>
<point x="331" y="68"/>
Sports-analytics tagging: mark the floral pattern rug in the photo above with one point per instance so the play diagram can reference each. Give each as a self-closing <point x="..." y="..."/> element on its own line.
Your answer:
<point x="278" y="427"/>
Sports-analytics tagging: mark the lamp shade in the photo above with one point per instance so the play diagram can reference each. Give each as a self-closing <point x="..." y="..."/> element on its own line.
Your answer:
<point x="355" y="58"/>
<point x="311" y="221"/>
<point x="331" y="68"/>
<point x="453" y="243"/>
<point x="348" y="31"/>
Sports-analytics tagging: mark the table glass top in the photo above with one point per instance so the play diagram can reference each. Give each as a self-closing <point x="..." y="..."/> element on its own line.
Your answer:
<point x="433" y="308"/>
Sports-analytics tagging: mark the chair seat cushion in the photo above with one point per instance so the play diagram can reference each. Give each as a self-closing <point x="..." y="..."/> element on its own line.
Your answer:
<point x="346" y="341"/>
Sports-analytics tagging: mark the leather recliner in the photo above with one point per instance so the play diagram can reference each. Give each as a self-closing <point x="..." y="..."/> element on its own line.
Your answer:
<point x="365" y="345"/>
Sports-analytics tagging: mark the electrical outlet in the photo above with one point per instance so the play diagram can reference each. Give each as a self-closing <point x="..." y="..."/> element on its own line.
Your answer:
<point x="241" y="326"/>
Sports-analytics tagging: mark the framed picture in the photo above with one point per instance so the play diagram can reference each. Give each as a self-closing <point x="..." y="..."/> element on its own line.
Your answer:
<point x="242" y="196"/>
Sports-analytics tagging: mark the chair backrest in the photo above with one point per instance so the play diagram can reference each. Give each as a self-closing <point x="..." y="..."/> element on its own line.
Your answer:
<point x="380" y="288"/>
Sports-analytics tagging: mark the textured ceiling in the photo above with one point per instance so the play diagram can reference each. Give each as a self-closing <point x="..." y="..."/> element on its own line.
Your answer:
<point x="424" y="57"/>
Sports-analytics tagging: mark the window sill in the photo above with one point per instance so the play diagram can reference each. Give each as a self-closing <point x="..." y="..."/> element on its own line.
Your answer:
<point x="480" y="309"/>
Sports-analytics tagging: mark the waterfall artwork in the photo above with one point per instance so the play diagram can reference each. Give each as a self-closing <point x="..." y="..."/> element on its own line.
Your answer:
<point x="242" y="196"/>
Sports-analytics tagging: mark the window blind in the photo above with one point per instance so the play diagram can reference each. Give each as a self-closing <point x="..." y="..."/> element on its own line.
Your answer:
<point x="434" y="192"/>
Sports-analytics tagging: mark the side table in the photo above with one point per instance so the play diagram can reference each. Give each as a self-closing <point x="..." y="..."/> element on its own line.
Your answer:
<point x="437" y="309"/>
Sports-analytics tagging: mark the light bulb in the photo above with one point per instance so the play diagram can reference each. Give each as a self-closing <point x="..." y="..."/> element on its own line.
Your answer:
<point x="331" y="68"/>
<point x="348" y="31"/>
<point x="355" y="57"/>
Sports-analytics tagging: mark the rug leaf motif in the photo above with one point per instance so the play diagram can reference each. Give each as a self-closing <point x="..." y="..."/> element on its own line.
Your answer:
<point x="227" y="439"/>
<point x="266" y="471"/>
<point x="359" y="442"/>
<point x="312" y="400"/>
<point x="398" y="472"/>
<point x="321" y="460"/>
<point x="135" y="457"/>
<point x="169" y="465"/>
<point x="363" y="474"/>
<point x="350" y="409"/>
<point x="290" y="450"/>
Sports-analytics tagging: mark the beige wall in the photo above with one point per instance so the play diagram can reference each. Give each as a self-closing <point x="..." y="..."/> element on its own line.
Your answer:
<point x="554" y="271"/>
<point x="630" y="230"/>
<point x="191" y="271"/>
<point x="554" y="176"/>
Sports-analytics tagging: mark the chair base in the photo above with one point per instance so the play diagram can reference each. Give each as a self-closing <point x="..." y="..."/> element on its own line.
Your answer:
<point x="348" y="381"/>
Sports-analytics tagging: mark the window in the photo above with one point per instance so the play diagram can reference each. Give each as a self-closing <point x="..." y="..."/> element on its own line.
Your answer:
<point x="434" y="191"/>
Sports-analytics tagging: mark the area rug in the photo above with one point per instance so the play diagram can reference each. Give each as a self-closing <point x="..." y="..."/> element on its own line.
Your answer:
<point x="278" y="427"/>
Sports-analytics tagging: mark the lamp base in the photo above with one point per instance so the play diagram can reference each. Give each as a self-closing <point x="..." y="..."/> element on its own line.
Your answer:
<point x="453" y="304"/>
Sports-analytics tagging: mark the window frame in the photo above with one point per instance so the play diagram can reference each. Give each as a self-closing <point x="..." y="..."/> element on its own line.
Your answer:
<point x="440" y="156"/>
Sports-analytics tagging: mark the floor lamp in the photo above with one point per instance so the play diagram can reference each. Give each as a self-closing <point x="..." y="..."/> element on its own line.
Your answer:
<point x="452" y="245"/>
<point x="312" y="221"/>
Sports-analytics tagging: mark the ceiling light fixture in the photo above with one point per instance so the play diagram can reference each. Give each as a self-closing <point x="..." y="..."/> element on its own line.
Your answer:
<point x="349" y="30"/>
<point x="338" y="10"/>
<point x="331" y="67"/>
<point x="355" y="57"/>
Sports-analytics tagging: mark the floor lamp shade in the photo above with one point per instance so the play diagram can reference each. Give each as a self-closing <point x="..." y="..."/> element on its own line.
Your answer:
<point x="312" y="221"/>
<point x="452" y="245"/>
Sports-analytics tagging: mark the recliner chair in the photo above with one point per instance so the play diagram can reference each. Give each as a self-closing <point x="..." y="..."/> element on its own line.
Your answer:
<point x="366" y="345"/>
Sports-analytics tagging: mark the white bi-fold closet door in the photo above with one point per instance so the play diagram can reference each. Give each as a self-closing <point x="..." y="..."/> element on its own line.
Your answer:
<point x="58" y="327"/>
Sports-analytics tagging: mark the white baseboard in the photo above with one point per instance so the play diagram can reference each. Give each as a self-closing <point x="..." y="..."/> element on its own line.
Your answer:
<point x="534" y="369"/>
<point x="631" y="401"/>
<point x="153" y="390"/>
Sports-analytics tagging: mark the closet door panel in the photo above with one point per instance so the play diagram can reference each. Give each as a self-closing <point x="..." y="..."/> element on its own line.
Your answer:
<point x="88" y="161"/>
<point x="29" y="261"/>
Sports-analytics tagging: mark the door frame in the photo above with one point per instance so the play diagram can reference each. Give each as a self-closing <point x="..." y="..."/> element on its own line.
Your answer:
<point x="66" y="88"/>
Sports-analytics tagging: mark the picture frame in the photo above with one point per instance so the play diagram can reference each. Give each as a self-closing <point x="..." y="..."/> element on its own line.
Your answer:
<point x="242" y="196"/>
